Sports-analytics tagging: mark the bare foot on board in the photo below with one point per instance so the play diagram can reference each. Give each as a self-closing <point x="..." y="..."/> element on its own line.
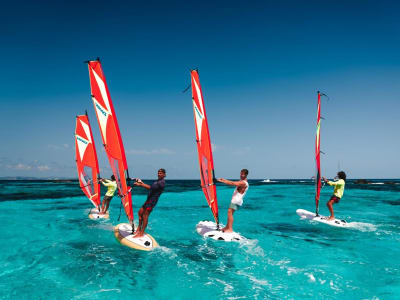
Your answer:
<point x="138" y="235"/>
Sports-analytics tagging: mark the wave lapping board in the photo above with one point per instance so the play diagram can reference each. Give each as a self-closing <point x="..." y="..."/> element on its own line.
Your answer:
<point x="209" y="229"/>
<point x="123" y="233"/>
<point x="305" y="214"/>
<point x="94" y="215"/>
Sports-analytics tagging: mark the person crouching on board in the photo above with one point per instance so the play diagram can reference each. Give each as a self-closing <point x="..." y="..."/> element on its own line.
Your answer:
<point x="237" y="198"/>
<point x="112" y="186"/>
<point x="337" y="192"/>
<point x="155" y="191"/>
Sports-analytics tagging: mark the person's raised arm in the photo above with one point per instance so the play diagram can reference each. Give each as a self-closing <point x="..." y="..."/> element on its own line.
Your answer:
<point x="141" y="184"/>
<point x="329" y="182"/>
<point x="105" y="182"/>
<point x="230" y="182"/>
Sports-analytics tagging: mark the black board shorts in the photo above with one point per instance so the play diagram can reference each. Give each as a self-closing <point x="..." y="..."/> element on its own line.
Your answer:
<point x="335" y="199"/>
<point x="107" y="198"/>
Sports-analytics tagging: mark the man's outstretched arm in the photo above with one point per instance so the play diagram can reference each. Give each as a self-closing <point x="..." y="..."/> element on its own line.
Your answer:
<point x="329" y="182"/>
<point x="229" y="182"/>
<point x="105" y="182"/>
<point x="141" y="184"/>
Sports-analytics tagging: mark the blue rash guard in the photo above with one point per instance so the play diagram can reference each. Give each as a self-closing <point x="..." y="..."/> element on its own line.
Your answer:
<point x="154" y="194"/>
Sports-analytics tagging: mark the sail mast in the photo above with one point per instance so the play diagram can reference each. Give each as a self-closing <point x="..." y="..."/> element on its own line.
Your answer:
<point x="204" y="149"/>
<point x="318" y="156"/>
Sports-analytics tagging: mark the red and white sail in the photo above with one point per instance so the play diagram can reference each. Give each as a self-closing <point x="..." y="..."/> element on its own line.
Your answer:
<point x="318" y="156"/>
<point x="110" y="133"/>
<point x="204" y="145"/>
<point x="86" y="160"/>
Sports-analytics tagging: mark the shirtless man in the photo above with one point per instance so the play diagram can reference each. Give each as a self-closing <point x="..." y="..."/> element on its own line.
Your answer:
<point x="237" y="198"/>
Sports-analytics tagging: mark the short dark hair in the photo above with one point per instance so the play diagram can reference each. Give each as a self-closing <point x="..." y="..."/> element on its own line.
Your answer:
<point x="245" y="171"/>
<point x="162" y="170"/>
<point x="112" y="177"/>
<point x="342" y="175"/>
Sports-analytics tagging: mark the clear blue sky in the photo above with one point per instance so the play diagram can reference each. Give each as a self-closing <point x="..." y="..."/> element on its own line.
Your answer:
<point x="260" y="65"/>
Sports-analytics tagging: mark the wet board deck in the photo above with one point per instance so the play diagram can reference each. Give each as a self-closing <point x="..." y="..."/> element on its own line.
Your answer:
<point x="208" y="229"/>
<point x="123" y="233"/>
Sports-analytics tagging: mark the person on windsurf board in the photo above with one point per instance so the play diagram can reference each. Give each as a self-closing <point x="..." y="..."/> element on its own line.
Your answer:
<point x="155" y="191"/>
<point x="111" y="188"/>
<point x="237" y="198"/>
<point x="337" y="192"/>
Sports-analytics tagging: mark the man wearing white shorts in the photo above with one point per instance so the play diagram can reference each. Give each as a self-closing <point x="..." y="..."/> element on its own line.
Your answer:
<point x="237" y="198"/>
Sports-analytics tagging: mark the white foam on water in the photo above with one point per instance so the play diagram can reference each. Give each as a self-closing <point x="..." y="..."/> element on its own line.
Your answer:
<point x="284" y="265"/>
<point x="258" y="285"/>
<point x="282" y="262"/>
<point x="227" y="286"/>
<point x="293" y="270"/>
<point x="364" y="227"/>
<point x="334" y="286"/>
<point x="105" y="226"/>
<point x="251" y="247"/>
<point x="310" y="276"/>
<point x="168" y="251"/>
<point x="109" y="290"/>
<point x="238" y="297"/>
<point x="254" y="279"/>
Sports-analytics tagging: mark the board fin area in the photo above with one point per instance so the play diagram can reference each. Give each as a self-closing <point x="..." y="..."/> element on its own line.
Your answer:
<point x="209" y="229"/>
<point x="94" y="215"/>
<point x="123" y="233"/>
<point x="305" y="214"/>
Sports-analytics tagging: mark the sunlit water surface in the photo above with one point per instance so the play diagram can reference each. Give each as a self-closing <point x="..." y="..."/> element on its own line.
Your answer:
<point x="49" y="248"/>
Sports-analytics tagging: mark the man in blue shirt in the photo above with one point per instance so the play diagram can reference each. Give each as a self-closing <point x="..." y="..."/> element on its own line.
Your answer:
<point x="155" y="191"/>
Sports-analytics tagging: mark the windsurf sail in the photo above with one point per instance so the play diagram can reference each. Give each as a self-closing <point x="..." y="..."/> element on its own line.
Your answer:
<point x="110" y="133"/>
<point x="318" y="156"/>
<point x="86" y="160"/>
<point x="204" y="149"/>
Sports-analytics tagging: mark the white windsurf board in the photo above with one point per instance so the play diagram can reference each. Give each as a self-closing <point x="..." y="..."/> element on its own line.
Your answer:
<point x="209" y="229"/>
<point x="305" y="214"/>
<point x="94" y="214"/>
<point x="123" y="233"/>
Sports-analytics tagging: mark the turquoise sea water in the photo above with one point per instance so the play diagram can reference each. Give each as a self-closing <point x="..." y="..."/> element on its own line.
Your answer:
<point x="50" y="249"/>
